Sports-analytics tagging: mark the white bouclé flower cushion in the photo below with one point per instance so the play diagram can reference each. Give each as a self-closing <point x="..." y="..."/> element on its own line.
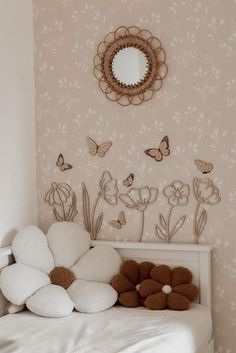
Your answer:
<point x="88" y="297"/>
<point x="57" y="273"/>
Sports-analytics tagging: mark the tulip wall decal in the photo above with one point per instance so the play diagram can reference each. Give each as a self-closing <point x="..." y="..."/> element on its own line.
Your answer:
<point x="108" y="192"/>
<point x="206" y="193"/>
<point x="58" y="196"/>
<point x="139" y="199"/>
<point x="177" y="194"/>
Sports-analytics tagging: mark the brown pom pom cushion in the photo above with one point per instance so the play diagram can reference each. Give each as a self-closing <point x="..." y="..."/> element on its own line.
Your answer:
<point x="126" y="283"/>
<point x="168" y="289"/>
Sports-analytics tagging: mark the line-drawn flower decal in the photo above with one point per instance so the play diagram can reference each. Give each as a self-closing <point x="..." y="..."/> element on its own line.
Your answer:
<point x="177" y="194"/>
<point x="58" y="195"/>
<point x="205" y="192"/>
<point x="108" y="191"/>
<point x="140" y="199"/>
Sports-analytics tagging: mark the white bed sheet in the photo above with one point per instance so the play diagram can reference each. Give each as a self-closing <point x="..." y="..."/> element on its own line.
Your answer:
<point x="115" y="330"/>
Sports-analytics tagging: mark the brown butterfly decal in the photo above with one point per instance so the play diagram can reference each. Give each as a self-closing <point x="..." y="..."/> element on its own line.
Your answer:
<point x="204" y="167"/>
<point x="100" y="150"/>
<point x="120" y="222"/>
<point x="159" y="153"/>
<point x="129" y="180"/>
<point x="61" y="164"/>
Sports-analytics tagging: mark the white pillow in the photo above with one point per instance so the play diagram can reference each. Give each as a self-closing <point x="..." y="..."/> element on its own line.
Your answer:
<point x="19" y="281"/>
<point x="66" y="251"/>
<point x="92" y="297"/>
<point x="50" y="301"/>
<point x="99" y="264"/>
<point x="30" y="247"/>
<point x="67" y="241"/>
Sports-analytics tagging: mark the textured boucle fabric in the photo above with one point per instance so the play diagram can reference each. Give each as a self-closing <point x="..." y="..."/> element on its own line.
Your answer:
<point x="126" y="283"/>
<point x="168" y="289"/>
<point x="59" y="272"/>
<point x="62" y="276"/>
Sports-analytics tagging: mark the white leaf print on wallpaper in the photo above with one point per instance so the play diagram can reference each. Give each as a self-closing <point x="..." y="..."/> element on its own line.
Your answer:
<point x="196" y="106"/>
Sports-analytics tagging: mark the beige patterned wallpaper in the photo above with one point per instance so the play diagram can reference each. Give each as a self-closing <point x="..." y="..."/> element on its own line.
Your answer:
<point x="195" y="109"/>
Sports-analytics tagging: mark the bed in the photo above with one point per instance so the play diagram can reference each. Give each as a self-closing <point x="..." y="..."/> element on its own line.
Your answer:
<point x="120" y="329"/>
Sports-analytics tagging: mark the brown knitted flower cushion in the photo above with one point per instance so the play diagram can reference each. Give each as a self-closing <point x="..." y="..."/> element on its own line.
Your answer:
<point x="171" y="289"/>
<point x="127" y="282"/>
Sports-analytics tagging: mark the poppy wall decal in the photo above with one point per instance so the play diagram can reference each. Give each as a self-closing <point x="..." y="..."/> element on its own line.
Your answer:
<point x="140" y="199"/>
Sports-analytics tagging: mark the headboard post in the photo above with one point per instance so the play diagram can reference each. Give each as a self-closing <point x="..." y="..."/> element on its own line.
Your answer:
<point x="205" y="273"/>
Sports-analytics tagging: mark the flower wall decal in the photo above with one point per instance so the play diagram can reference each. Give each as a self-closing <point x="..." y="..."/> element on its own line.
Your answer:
<point x="58" y="196"/>
<point x="108" y="192"/>
<point x="177" y="194"/>
<point x="139" y="199"/>
<point x="108" y="188"/>
<point x="205" y="192"/>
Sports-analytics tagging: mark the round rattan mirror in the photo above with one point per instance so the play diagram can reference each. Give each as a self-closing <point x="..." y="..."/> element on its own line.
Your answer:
<point x="130" y="65"/>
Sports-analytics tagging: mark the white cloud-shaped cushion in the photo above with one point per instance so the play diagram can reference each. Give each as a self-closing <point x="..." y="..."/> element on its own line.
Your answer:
<point x="30" y="247"/>
<point x="99" y="264"/>
<point x="18" y="282"/>
<point x="29" y="282"/>
<point x="50" y="301"/>
<point x="92" y="297"/>
<point x="67" y="242"/>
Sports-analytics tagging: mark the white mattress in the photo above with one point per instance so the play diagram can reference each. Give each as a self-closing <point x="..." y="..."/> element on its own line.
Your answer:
<point x="115" y="330"/>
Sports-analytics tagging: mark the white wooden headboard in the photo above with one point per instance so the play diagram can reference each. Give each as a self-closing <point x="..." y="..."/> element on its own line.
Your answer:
<point x="197" y="258"/>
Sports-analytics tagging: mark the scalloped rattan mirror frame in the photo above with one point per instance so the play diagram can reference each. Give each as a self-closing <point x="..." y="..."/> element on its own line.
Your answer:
<point x="143" y="40"/>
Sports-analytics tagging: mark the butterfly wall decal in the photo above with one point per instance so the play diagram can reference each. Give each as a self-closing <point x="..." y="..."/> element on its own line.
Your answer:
<point x="204" y="167"/>
<point x="161" y="151"/>
<point x="120" y="222"/>
<point x="129" y="180"/>
<point x="100" y="150"/>
<point x="60" y="163"/>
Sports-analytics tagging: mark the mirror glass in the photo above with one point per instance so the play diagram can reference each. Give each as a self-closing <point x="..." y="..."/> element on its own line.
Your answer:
<point x="130" y="66"/>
